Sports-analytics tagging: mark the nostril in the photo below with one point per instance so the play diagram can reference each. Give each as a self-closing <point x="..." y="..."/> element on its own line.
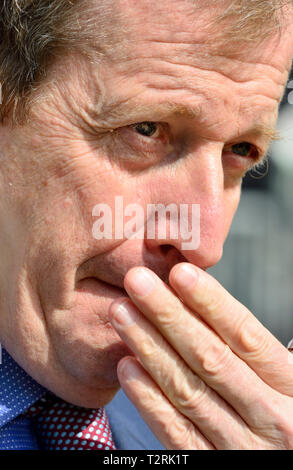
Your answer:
<point x="172" y="255"/>
<point x="166" y="248"/>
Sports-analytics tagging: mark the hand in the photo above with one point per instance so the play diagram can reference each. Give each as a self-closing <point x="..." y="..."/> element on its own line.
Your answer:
<point x="206" y="374"/>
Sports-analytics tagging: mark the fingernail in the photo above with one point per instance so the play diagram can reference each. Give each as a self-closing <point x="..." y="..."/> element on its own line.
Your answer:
<point x="124" y="313"/>
<point x="129" y="370"/>
<point x="142" y="282"/>
<point x="185" y="276"/>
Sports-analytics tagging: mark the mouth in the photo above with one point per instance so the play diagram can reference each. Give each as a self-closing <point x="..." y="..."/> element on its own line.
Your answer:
<point x="99" y="282"/>
<point x="112" y="266"/>
<point x="94" y="279"/>
<point x="106" y="277"/>
<point x="98" y="295"/>
<point x="93" y="328"/>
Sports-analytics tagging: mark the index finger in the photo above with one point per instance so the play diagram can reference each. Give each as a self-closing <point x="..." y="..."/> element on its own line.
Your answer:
<point x="236" y="325"/>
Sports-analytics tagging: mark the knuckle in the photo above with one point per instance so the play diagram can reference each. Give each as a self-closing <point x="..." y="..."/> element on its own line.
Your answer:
<point x="180" y="433"/>
<point x="216" y="359"/>
<point x="169" y="314"/>
<point x="175" y="430"/>
<point x="190" y="396"/>
<point x="149" y="349"/>
<point x="252" y="339"/>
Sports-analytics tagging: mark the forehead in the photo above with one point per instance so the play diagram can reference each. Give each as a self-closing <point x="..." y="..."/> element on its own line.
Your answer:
<point x="166" y="53"/>
<point x="195" y="24"/>
<point x="182" y="33"/>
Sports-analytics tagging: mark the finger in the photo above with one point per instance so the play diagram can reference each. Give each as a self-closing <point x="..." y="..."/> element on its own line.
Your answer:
<point x="203" y="350"/>
<point x="172" y="429"/>
<point x="185" y="390"/>
<point x="238" y="327"/>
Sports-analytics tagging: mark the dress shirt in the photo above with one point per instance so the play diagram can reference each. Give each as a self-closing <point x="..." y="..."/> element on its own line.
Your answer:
<point x="18" y="391"/>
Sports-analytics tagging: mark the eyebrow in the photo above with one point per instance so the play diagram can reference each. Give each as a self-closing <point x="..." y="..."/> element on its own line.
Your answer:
<point x="163" y="110"/>
<point x="170" y="110"/>
<point x="270" y="132"/>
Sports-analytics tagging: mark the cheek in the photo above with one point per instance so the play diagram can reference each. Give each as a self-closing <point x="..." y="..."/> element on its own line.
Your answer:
<point x="216" y="221"/>
<point x="231" y="202"/>
<point x="85" y="342"/>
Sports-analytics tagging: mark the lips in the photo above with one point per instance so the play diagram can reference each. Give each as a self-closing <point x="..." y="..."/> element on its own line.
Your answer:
<point x="112" y="267"/>
<point x="88" y="344"/>
<point x="90" y="326"/>
<point x="98" y="291"/>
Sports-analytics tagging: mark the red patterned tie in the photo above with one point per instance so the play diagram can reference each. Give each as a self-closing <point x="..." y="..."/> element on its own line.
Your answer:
<point x="62" y="426"/>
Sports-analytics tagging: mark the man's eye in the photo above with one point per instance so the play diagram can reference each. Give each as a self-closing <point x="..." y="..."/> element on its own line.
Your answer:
<point x="245" y="149"/>
<point x="147" y="129"/>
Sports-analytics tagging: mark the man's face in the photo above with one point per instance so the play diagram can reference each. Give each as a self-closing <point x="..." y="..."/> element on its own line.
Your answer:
<point x="81" y="148"/>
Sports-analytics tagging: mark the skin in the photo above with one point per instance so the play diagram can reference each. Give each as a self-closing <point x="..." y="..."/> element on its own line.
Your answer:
<point x="207" y="375"/>
<point x="58" y="283"/>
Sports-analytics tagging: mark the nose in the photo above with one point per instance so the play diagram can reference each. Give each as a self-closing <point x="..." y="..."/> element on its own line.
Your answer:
<point x="198" y="184"/>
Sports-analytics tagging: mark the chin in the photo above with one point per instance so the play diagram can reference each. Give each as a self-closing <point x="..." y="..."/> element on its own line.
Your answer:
<point x="88" y="383"/>
<point x="81" y="366"/>
<point x="85" y="390"/>
<point x="96" y="399"/>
